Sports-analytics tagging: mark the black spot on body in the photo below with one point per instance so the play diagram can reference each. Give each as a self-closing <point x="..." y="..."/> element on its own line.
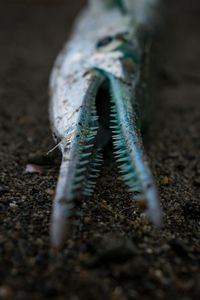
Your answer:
<point x="104" y="42"/>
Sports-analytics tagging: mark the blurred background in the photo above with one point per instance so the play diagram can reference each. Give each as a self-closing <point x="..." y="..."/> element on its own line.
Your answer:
<point x="114" y="253"/>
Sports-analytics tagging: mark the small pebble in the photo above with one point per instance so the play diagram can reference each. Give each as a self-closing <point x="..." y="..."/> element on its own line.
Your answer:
<point x="13" y="205"/>
<point x="149" y="251"/>
<point x="165" y="180"/>
<point x="87" y="220"/>
<point x="117" y="294"/>
<point x="5" y="292"/>
<point x="158" y="273"/>
<point x="31" y="168"/>
<point x="49" y="191"/>
<point x="141" y="204"/>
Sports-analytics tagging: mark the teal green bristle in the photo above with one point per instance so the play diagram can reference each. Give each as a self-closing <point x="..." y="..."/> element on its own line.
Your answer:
<point x="116" y="132"/>
<point x="89" y="138"/>
<point x="121" y="153"/>
<point x="128" y="176"/>
<point x="78" y="171"/>
<point x="88" y="190"/>
<point x="96" y="164"/>
<point x="93" y="176"/>
<point x="83" y="155"/>
<point x="84" y="179"/>
<point x="123" y="159"/>
<point x="93" y="129"/>
<point x="113" y="115"/>
<point x="135" y="189"/>
<point x="79" y="178"/>
<point x="114" y="126"/>
<point x="127" y="168"/>
<point x="92" y="173"/>
<point x="76" y="186"/>
<point x="85" y="147"/>
<point x="84" y="162"/>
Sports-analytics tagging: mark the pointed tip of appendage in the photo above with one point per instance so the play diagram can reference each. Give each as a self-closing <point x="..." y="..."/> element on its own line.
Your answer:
<point x="57" y="233"/>
<point x="155" y="215"/>
<point x="154" y="210"/>
<point x="60" y="224"/>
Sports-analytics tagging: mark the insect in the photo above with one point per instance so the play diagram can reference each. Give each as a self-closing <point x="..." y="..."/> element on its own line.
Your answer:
<point x="93" y="89"/>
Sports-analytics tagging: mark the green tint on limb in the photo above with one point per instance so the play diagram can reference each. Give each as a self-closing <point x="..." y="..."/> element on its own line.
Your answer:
<point x="94" y="99"/>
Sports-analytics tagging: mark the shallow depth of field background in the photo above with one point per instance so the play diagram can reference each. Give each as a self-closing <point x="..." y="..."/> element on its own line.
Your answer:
<point x="114" y="253"/>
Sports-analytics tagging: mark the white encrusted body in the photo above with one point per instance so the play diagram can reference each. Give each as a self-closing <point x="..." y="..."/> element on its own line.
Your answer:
<point x="70" y="78"/>
<point x="73" y="81"/>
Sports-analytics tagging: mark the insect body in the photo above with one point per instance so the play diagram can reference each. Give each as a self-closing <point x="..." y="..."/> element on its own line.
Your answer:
<point x="104" y="54"/>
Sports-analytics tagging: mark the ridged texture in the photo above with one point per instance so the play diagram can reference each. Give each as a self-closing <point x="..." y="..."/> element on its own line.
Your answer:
<point x="78" y="164"/>
<point x="129" y="148"/>
<point x="106" y="47"/>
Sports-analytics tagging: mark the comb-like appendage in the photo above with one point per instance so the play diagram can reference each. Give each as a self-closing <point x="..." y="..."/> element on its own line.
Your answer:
<point x="78" y="163"/>
<point x="128" y="148"/>
<point x="104" y="56"/>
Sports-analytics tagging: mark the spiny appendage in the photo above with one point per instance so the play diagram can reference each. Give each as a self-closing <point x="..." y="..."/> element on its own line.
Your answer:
<point x="129" y="150"/>
<point x="127" y="169"/>
<point x="92" y="173"/>
<point x="90" y="157"/>
<point x="77" y="176"/>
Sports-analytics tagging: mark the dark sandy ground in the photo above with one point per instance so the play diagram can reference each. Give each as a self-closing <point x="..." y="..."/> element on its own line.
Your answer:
<point x="113" y="253"/>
